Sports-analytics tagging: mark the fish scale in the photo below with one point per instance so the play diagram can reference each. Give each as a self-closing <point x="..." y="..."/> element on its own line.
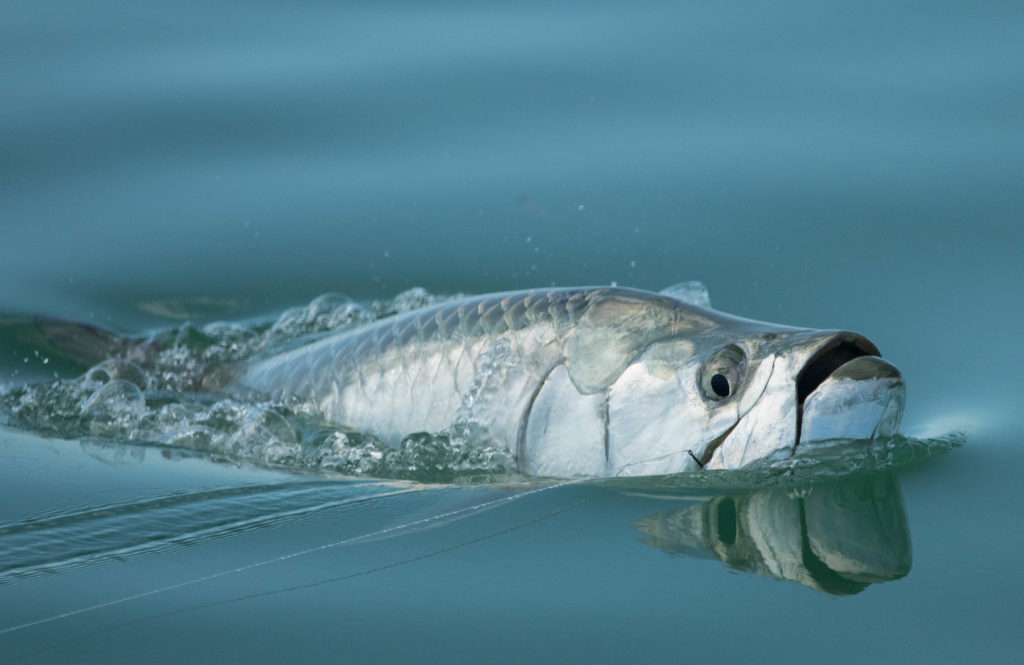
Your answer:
<point x="412" y="372"/>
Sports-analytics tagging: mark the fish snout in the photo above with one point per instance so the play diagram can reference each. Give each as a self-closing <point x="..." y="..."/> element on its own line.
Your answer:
<point x="846" y="390"/>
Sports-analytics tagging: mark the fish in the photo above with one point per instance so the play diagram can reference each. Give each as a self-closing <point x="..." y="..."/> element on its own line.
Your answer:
<point x="593" y="381"/>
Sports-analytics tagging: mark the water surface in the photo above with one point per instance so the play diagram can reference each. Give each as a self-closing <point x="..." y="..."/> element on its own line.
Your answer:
<point x="827" y="166"/>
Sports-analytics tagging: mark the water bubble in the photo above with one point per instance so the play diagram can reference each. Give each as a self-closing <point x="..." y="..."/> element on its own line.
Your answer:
<point x="329" y="311"/>
<point x="115" y="398"/>
<point x="327" y="304"/>
<point x="172" y="416"/>
<point x="414" y="298"/>
<point x="229" y="342"/>
<point x="113" y="407"/>
<point x="113" y="369"/>
<point x="193" y="437"/>
<point x="350" y="453"/>
<point x="446" y="457"/>
<point x="266" y="436"/>
<point x="225" y="415"/>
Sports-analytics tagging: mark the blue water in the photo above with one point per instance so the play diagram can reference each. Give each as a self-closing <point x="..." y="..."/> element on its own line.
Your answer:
<point x="824" y="165"/>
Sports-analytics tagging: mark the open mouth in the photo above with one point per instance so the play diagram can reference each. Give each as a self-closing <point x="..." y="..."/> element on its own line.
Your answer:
<point x="839" y="352"/>
<point x="843" y="391"/>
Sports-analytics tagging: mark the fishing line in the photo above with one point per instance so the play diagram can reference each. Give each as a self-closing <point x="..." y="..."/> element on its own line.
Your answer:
<point x="285" y="557"/>
<point x="340" y="578"/>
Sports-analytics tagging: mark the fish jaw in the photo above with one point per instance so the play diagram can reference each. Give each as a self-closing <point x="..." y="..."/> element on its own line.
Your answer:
<point x="862" y="399"/>
<point x="826" y="385"/>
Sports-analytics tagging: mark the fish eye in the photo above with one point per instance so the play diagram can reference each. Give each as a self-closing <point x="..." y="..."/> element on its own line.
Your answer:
<point x="721" y="373"/>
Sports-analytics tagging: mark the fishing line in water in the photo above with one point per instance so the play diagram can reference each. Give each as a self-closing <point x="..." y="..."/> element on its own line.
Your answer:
<point x="293" y="555"/>
<point x="340" y="578"/>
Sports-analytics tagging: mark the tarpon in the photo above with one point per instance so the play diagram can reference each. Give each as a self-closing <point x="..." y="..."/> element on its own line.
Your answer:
<point x="594" y="381"/>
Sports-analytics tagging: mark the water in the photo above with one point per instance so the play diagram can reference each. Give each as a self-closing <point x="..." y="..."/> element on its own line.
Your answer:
<point x="826" y="166"/>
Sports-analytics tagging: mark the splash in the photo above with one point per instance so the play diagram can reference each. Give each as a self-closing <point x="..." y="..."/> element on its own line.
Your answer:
<point x="150" y="392"/>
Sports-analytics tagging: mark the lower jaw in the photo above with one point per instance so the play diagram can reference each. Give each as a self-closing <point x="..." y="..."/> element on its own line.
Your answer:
<point x="869" y="419"/>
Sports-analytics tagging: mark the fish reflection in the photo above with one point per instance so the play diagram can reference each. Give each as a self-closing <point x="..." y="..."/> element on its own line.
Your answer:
<point x="835" y="537"/>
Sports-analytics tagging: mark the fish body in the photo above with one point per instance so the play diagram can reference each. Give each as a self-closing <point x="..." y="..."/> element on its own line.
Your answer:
<point x="594" y="381"/>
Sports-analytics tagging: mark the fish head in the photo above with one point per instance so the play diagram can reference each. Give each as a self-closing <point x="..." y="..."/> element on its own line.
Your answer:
<point x="742" y="392"/>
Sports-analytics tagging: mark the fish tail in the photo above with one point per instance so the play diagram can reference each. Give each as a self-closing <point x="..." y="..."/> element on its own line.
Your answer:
<point x="85" y="344"/>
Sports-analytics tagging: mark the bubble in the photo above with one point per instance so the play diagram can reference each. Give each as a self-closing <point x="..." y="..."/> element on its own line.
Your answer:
<point x="225" y="415"/>
<point x="229" y="342"/>
<point x="266" y="436"/>
<point x="114" y="409"/>
<point x="116" y="399"/>
<point x="446" y="457"/>
<point x="225" y="331"/>
<point x="194" y="437"/>
<point x="407" y="301"/>
<point x="344" y="452"/>
<point x="329" y="311"/>
<point x="115" y="368"/>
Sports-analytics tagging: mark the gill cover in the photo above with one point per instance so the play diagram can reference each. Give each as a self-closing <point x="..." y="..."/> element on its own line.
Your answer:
<point x="564" y="429"/>
<point x="664" y="414"/>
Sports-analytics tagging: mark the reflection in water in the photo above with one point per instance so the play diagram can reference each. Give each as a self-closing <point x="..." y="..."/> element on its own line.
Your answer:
<point x="836" y="537"/>
<point x="114" y="454"/>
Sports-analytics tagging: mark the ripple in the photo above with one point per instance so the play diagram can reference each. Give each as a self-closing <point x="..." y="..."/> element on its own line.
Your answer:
<point x="100" y="533"/>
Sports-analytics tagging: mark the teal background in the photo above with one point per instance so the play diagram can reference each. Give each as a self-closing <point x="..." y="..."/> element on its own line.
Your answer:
<point x="819" y="164"/>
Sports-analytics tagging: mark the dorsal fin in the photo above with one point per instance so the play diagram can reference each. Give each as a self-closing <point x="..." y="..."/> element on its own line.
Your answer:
<point x="691" y="293"/>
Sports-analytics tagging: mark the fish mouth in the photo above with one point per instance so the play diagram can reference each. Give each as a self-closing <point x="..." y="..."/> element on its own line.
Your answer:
<point x="846" y="390"/>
